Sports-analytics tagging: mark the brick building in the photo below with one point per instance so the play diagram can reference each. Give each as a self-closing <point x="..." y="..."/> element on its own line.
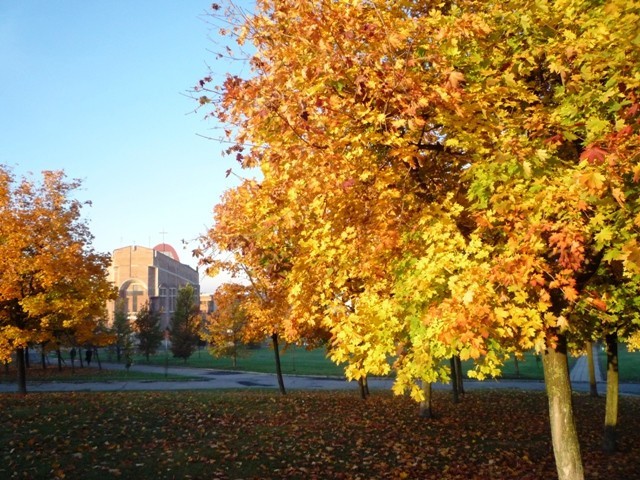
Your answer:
<point x="151" y="275"/>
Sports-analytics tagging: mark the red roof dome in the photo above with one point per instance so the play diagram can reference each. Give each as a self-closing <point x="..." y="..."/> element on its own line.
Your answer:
<point x="167" y="250"/>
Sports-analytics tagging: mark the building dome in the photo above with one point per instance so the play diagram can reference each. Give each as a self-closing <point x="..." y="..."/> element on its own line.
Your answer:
<point x="167" y="250"/>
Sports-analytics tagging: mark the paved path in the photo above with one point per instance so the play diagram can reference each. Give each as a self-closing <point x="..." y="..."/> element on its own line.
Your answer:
<point x="209" y="379"/>
<point x="580" y="370"/>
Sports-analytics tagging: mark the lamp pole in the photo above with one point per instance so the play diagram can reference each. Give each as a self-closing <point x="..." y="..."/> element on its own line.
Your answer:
<point x="166" y="352"/>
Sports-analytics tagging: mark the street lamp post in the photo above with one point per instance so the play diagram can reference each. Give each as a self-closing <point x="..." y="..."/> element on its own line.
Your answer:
<point x="166" y="352"/>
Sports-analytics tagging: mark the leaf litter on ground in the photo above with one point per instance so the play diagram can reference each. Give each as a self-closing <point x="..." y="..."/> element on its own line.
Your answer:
<point x="311" y="435"/>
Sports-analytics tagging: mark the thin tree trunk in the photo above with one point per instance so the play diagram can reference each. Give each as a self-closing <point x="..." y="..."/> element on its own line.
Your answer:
<point x="22" y="371"/>
<point x="564" y="436"/>
<point x="593" y="386"/>
<point x="454" y="380"/>
<point x="515" y="362"/>
<point x="425" y="406"/>
<point x="95" y="351"/>
<point x="459" y="375"/>
<point x="27" y="363"/>
<point x="611" y="409"/>
<point x="59" y="359"/>
<point x="43" y="359"/>
<point x="276" y="352"/>
<point x="80" y="357"/>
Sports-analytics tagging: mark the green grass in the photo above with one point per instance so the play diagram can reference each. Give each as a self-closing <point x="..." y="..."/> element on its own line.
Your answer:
<point x="294" y="360"/>
<point x="628" y="363"/>
<point x="300" y="361"/>
<point x="528" y="368"/>
<point x="261" y="435"/>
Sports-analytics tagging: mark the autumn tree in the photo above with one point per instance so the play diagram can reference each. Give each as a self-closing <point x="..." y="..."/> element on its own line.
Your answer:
<point x="51" y="280"/>
<point x="185" y="323"/>
<point x="148" y="331"/>
<point x="251" y="240"/>
<point x="226" y="327"/>
<point x="453" y="178"/>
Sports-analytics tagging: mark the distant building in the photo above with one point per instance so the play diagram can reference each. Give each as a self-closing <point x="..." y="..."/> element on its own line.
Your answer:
<point x="207" y="305"/>
<point x="151" y="275"/>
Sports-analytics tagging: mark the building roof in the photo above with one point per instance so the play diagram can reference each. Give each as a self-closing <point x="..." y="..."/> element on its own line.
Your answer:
<point x="167" y="250"/>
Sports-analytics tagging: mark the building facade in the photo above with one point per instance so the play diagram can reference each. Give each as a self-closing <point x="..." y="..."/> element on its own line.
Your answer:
<point x="151" y="275"/>
<point x="207" y="305"/>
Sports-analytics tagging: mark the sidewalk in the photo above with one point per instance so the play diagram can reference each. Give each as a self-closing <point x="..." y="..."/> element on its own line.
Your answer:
<point x="580" y="371"/>
<point x="210" y="379"/>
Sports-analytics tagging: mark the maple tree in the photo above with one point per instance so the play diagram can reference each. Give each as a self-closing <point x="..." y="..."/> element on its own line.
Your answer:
<point x="251" y="240"/>
<point x="453" y="179"/>
<point x="53" y="285"/>
<point x="225" y="328"/>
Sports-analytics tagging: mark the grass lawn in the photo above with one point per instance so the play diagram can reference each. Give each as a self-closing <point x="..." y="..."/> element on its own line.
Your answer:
<point x="628" y="363"/>
<point x="309" y="435"/>
<point x="294" y="360"/>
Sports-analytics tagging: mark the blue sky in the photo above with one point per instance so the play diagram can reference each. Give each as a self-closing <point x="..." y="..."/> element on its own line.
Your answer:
<point x="97" y="89"/>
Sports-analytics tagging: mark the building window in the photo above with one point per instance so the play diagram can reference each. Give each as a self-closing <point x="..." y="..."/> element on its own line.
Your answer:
<point x="172" y="299"/>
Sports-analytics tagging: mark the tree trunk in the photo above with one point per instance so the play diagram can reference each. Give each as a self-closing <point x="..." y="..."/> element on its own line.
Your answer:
<point x="27" y="363"/>
<point x="515" y="362"/>
<point x="364" y="387"/>
<point x="95" y="352"/>
<point x="22" y="371"/>
<point x="276" y="351"/>
<point x="564" y="436"/>
<point x="43" y="359"/>
<point x="611" y="410"/>
<point x="59" y="359"/>
<point x="593" y="386"/>
<point x="425" y="405"/>
<point x="459" y="377"/>
<point x="80" y="357"/>
<point x="454" y="381"/>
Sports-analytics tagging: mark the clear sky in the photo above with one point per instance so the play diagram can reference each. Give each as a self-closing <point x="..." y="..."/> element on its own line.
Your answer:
<point x="98" y="88"/>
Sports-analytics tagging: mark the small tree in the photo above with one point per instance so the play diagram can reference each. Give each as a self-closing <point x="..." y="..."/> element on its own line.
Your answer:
<point x="185" y="324"/>
<point x="121" y="327"/>
<point x="225" y="328"/>
<point x="148" y="332"/>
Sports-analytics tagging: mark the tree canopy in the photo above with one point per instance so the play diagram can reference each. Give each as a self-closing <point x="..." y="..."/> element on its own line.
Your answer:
<point x="52" y="282"/>
<point x="453" y="178"/>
